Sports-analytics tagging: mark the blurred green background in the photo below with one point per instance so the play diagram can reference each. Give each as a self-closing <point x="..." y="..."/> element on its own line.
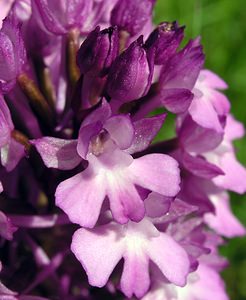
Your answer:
<point x="222" y="25"/>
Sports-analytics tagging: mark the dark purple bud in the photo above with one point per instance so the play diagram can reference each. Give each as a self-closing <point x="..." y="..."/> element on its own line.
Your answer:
<point x="131" y="16"/>
<point x="12" y="53"/>
<point x="165" y="39"/>
<point x="98" y="51"/>
<point x="131" y="73"/>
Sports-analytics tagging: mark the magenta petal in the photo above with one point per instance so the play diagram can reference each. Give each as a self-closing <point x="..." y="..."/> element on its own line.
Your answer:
<point x="98" y="251"/>
<point x="170" y="258"/>
<point x="157" y="205"/>
<point x="6" y="124"/>
<point x="195" y="138"/>
<point x="182" y="70"/>
<point x="5" y="293"/>
<point x="223" y="221"/>
<point x="121" y="130"/>
<point x="6" y="227"/>
<point x="78" y="12"/>
<point x="145" y="131"/>
<point x="58" y="153"/>
<point x="48" y="17"/>
<point x="131" y="16"/>
<point x="7" y="56"/>
<point x="135" y="277"/>
<point x="101" y="114"/>
<point x="11" y="154"/>
<point x="194" y="191"/>
<point x="156" y="172"/>
<point x="177" y="209"/>
<point x="12" y="53"/>
<point x="200" y="167"/>
<point x="81" y="198"/>
<point x="176" y="100"/>
<point x="24" y="297"/>
<point x="86" y="133"/>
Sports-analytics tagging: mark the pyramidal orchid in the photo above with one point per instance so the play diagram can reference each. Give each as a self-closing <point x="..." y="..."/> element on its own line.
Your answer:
<point x="91" y="205"/>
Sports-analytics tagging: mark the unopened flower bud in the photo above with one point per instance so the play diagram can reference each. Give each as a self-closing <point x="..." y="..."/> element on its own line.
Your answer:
<point x="165" y="39"/>
<point x="98" y="51"/>
<point x="130" y="75"/>
<point x="131" y="16"/>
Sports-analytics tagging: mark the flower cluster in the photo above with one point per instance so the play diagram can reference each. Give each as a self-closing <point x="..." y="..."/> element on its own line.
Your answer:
<point x="85" y="87"/>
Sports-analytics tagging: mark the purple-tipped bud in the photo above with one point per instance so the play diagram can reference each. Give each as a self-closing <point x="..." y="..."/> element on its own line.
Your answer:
<point x="98" y="51"/>
<point x="131" y="16"/>
<point x="131" y="73"/>
<point x="12" y="54"/>
<point x="165" y="39"/>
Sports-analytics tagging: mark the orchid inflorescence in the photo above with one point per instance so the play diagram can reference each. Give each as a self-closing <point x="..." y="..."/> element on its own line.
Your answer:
<point x="85" y="87"/>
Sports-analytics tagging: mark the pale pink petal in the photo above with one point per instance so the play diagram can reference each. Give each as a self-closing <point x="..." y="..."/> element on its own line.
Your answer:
<point x="213" y="80"/>
<point x="223" y="220"/>
<point x="235" y="174"/>
<point x="125" y="202"/>
<point x="99" y="251"/>
<point x="208" y="285"/>
<point x="58" y="153"/>
<point x="233" y="129"/>
<point x="5" y="6"/>
<point x="161" y="292"/>
<point x="204" y="114"/>
<point x="220" y="103"/>
<point x="156" y="172"/>
<point x="121" y="130"/>
<point x="170" y="258"/>
<point x="81" y="197"/>
<point x="135" y="278"/>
